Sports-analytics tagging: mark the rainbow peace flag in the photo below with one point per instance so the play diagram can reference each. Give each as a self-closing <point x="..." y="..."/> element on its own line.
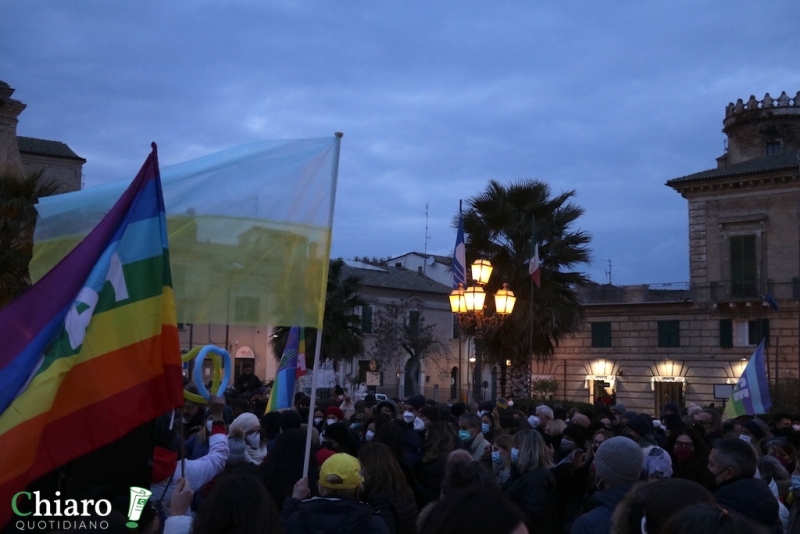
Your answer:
<point x="282" y="395"/>
<point x="90" y="351"/>
<point x="751" y="393"/>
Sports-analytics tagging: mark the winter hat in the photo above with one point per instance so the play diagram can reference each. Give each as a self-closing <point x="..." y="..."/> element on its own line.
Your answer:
<point x="673" y="421"/>
<point x="290" y="419"/>
<point x="618" y="461"/>
<point x="577" y="433"/>
<point x="340" y="471"/>
<point x="338" y="433"/>
<point x="417" y="401"/>
<point x="333" y="410"/>
<point x="236" y="451"/>
<point x="389" y="405"/>
<point x="244" y="424"/>
<point x="580" y="419"/>
<point x="619" y="408"/>
<point x="432" y="413"/>
<point x="755" y="429"/>
<point x="641" y="425"/>
<point x="486" y="406"/>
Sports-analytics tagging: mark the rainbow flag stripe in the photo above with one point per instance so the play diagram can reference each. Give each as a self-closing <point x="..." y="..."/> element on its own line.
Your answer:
<point x="750" y="395"/>
<point x="91" y="351"/>
<point x="282" y="395"/>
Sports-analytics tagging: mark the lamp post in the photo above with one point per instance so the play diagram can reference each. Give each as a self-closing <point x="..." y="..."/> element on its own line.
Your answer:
<point x="469" y="305"/>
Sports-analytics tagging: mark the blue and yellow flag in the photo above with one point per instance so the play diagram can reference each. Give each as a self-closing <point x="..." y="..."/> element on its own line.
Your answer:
<point x="751" y="393"/>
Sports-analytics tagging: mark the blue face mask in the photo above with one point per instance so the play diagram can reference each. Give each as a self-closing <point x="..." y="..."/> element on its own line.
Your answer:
<point x="496" y="458"/>
<point x="485" y="428"/>
<point x="463" y="435"/>
<point x="514" y="454"/>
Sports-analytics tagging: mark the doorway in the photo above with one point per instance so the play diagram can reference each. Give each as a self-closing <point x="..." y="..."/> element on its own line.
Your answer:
<point x="668" y="392"/>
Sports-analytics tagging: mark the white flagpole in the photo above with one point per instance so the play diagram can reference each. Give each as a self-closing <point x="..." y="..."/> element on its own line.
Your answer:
<point x="312" y="404"/>
<point x="318" y="348"/>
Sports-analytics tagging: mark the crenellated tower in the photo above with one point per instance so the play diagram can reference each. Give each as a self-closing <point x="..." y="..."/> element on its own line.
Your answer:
<point x="758" y="128"/>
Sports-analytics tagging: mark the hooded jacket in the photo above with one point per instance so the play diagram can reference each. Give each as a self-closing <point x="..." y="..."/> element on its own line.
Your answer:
<point x="598" y="520"/>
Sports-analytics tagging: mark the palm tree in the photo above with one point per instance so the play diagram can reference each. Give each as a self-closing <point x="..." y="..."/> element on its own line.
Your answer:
<point x="498" y="224"/>
<point x="18" y="196"/>
<point x="341" y="325"/>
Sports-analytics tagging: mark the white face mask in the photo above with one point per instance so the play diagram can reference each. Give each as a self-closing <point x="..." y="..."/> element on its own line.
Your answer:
<point x="744" y="438"/>
<point x="317" y="420"/>
<point x="253" y="440"/>
<point x="332" y="421"/>
<point x="408" y="416"/>
<point x="369" y="435"/>
<point x="209" y="424"/>
<point x="419" y="424"/>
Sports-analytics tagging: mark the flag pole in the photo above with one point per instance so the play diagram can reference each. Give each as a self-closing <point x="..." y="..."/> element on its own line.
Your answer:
<point x="318" y="347"/>
<point x="312" y="404"/>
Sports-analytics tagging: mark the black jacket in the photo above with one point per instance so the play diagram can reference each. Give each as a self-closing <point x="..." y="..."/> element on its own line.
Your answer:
<point x="534" y="491"/>
<point x="598" y="520"/>
<point x="751" y="498"/>
<point x="330" y="516"/>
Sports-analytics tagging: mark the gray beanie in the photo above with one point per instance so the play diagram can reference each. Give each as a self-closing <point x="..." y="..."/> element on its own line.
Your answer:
<point x="236" y="448"/>
<point x="618" y="461"/>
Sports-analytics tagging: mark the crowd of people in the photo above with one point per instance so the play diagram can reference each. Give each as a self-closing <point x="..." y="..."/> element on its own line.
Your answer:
<point x="414" y="465"/>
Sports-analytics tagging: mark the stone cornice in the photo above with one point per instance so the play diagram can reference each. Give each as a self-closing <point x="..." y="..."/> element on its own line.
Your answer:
<point x="736" y="182"/>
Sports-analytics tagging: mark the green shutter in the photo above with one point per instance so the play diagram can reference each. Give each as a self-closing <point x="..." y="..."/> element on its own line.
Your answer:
<point x="725" y="333"/>
<point x="601" y="335"/>
<point x="366" y="319"/>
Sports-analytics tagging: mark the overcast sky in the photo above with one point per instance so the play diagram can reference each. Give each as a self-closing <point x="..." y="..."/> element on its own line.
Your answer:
<point x="610" y="99"/>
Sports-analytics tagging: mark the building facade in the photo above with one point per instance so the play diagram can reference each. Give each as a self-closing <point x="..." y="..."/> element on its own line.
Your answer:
<point x="54" y="159"/>
<point x="647" y="345"/>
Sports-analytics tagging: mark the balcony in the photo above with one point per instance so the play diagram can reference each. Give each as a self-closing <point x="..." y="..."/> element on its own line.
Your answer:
<point x="750" y="291"/>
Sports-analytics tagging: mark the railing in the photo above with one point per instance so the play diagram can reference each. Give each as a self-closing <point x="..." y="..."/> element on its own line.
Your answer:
<point x="715" y="291"/>
<point x="749" y="291"/>
<point x="608" y="294"/>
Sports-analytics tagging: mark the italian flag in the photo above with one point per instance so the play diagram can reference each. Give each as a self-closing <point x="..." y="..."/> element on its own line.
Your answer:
<point x="533" y="267"/>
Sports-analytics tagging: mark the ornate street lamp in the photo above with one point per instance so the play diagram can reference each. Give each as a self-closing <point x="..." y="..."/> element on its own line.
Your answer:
<point x="469" y="305"/>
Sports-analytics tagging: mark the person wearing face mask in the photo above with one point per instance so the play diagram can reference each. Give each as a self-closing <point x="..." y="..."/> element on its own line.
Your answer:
<point x="319" y="419"/>
<point x="731" y="469"/>
<point x="501" y="458"/>
<point x="197" y="445"/>
<point x="248" y="428"/>
<point x="469" y="433"/>
<point x="370" y="426"/>
<point x="532" y="484"/>
<point x="657" y="462"/>
<point x="490" y="426"/>
<point x="781" y="450"/>
<point x="689" y="455"/>
<point x="414" y="434"/>
<point x="572" y="438"/>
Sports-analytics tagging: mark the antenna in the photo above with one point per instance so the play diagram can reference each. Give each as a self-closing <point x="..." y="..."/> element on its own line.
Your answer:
<point x="427" y="237"/>
<point x="608" y="272"/>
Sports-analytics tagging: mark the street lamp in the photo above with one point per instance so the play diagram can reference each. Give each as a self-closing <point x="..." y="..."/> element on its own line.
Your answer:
<point x="469" y="305"/>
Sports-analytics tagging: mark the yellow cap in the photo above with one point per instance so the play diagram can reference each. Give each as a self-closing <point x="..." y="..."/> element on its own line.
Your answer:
<point x="343" y="466"/>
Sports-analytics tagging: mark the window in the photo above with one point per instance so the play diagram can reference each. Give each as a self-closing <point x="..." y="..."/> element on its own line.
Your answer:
<point x="743" y="333"/>
<point x="456" y="328"/>
<point x="601" y="335"/>
<point x="773" y="147"/>
<point x="669" y="334"/>
<point x="247" y="309"/>
<point x="413" y="320"/>
<point x="743" y="266"/>
<point x="366" y="319"/>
